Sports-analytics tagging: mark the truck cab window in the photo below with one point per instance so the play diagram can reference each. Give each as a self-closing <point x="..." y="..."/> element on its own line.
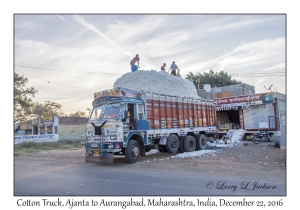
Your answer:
<point x="112" y="111"/>
<point x="140" y="112"/>
<point x="96" y="113"/>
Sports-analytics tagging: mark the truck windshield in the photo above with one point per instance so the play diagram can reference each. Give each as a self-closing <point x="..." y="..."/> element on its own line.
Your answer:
<point x="111" y="111"/>
<point x="96" y="112"/>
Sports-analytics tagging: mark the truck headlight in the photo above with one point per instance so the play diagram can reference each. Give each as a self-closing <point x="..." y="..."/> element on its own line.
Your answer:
<point x="110" y="146"/>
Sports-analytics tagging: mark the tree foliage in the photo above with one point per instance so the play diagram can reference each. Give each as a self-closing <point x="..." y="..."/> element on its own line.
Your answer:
<point x="25" y="109"/>
<point x="215" y="79"/>
<point x="48" y="108"/>
<point x="22" y="101"/>
<point x="78" y="114"/>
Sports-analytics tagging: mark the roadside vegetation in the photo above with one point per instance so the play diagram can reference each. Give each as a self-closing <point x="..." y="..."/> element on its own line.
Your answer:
<point x="28" y="147"/>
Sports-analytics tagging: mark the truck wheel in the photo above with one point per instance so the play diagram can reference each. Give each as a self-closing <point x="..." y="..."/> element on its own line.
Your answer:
<point x="181" y="149"/>
<point x="172" y="144"/>
<point x="132" y="152"/>
<point x="189" y="144"/>
<point x="161" y="148"/>
<point x="201" y="142"/>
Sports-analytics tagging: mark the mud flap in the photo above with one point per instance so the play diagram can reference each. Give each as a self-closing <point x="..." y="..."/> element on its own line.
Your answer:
<point x="105" y="158"/>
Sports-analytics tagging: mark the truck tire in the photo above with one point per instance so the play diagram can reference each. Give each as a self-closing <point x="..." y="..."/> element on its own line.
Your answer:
<point x="181" y="149"/>
<point x="201" y="142"/>
<point x="132" y="152"/>
<point x="172" y="144"/>
<point x="189" y="144"/>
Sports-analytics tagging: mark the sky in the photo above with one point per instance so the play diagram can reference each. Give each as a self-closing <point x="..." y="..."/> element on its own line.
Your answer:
<point x="69" y="57"/>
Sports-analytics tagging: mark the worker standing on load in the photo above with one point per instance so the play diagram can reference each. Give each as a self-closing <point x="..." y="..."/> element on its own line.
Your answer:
<point x="133" y="61"/>
<point x="174" y="68"/>
<point x="163" y="67"/>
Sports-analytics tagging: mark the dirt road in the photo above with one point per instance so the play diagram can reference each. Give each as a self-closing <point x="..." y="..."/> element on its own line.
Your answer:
<point x="244" y="160"/>
<point x="251" y="169"/>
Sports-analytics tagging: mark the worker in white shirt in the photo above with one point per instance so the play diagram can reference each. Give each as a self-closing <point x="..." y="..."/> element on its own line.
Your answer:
<point x="227" y="137"/>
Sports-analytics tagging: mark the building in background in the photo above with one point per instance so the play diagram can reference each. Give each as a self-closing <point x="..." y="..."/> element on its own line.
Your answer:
<point x="52" y="128"/>
<point x="229" y="115"/>
<point x="226" y="91"/>
<point x="72" y="128"/>
<point x="238" y="106"/>
<point x="45" y="125"/>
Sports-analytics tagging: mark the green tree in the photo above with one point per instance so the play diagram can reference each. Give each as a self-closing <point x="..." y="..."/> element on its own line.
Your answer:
<point x="22" y="101"/>
<point x="78" y="114"/>
<point x="48" y="108"/>
<point x="215" y="79"/>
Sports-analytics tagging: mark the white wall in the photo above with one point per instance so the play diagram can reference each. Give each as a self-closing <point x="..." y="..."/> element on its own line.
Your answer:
<point x="36" y="138"/>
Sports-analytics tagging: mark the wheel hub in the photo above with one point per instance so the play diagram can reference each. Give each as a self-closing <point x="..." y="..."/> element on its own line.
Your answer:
<point x="135" y="151"/>
<point x="191" y="144"/>
<point x="173" y="144"/>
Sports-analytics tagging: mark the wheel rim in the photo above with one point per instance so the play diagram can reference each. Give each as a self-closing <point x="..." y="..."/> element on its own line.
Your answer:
<point x="135" y="151"/>
<point x="174" y="144"/>
<point x="191" y="144"/>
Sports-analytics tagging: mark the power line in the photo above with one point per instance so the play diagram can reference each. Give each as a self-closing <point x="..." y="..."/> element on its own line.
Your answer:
<point x="259" y="73"/>
<point x="241" y="74"/>
<point x="51" y="82"/>
<point x="275" y="75"/>
<point x="69" y="71"/>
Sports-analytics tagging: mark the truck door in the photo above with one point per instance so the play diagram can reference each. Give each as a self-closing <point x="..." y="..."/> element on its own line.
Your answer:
<point x="142" y="122"/>
<point x="131" y="116"/>
<point x="136" y="113"/>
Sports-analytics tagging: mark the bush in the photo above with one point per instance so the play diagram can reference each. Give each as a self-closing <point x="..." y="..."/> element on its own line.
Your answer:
<point x="27" y="147"/>
<point x="28" y="144"/>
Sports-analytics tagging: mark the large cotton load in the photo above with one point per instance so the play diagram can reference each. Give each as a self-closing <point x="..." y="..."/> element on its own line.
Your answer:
<point x="158" y="82"/>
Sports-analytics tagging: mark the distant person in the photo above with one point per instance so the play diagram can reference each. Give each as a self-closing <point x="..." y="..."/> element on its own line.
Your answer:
<point x="134" y="60"/>
<point x="235" y="126"/>
<point x="227" y="136"/>
<point x="190" y="78"/>
<point x="163" y="67"/>
<point x="174" y="67"/>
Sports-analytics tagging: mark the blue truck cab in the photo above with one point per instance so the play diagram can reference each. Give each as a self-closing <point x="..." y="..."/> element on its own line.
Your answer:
<point x="117" y="125"/>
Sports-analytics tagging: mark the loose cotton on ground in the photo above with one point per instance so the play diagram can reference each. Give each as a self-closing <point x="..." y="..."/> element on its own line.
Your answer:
<point x="158" y="83"/>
